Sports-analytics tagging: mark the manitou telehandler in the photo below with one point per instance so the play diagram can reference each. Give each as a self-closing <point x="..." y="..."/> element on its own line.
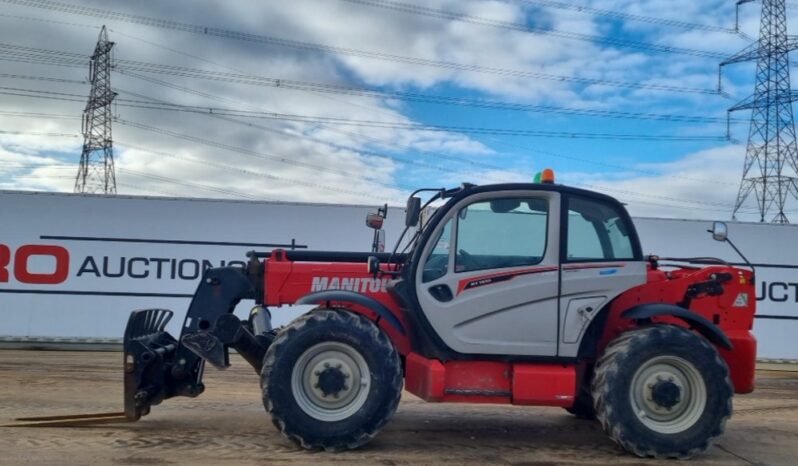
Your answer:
<point x="531" y="294"/>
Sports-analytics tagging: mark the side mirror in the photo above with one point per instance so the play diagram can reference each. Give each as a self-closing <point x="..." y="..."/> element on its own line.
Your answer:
<point x="720" y="232"/>
<point x="374" y="221"/>
<point x="413" y="211"/>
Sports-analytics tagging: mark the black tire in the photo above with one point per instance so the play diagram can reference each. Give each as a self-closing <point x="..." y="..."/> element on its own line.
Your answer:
<point x="583" y="404"/>
<point x="622" y="388"/>
<point x="296" y="406"/>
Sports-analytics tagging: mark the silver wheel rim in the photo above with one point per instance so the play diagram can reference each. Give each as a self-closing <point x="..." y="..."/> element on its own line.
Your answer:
<point x="688" y="407"/>
<point x="330" y="356"/>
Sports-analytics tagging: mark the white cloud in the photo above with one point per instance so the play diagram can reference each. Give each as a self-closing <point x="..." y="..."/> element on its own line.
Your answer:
<point x="346" y="166"/>
<point x="700" y="185"/>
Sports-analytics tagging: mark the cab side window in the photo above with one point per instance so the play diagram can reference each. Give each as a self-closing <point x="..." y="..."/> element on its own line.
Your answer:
<point x="597" y="231"/>
<point x="437" y="262"/>
<point x="500" y="233"/>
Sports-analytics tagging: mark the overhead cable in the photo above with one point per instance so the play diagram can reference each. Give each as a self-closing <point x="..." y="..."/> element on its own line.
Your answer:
<point x="281" y="42"/>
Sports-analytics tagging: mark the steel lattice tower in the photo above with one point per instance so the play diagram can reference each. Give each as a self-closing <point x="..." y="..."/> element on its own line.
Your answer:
<point x="96" y="171"/>
<point x="770" y="170"/>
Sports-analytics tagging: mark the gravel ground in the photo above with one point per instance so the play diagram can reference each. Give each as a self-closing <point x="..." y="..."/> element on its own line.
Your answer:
<point x="227" y="425"/>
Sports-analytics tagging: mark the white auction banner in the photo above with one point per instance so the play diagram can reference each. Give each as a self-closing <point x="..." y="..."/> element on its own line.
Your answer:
<point x="74" y="266"/>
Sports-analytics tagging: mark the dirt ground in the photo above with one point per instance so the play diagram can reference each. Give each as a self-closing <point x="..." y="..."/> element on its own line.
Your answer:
<point x="227" y="424"/>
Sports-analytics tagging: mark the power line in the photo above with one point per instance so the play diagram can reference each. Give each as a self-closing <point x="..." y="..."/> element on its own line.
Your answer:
<point x="625" y="168"/>
<point x="361" y="151"/>
<point x="436" y="99"/>
<point x="294" y="181"/>
<point x="655" y="196"/>
<point x="212" y="144"/>
<point x="521" y="27"/>
<point x="28" y="165"/>
<point x="254" y="154"/>
<point x="492" y="166"/>
<point x="256" y="38"/>
<point x="39" y="115"/>
<point x="151" y="190"/>
<point x="205" y="187"/>
<point x="61" y="58"/>
<point x="41" y="93"/>
<point x="21" y="49"/>
<point x="378" y="141"/>
<point x="135" y="173"/>
<point x="123" y="68"/>
<point x="444" y="100"/>
<point x="209" y="111"/>
<point x="42" y="78"/>
<point x="673" y="206"/>
<point x="38" y="133"/>
<point x="239" y="150"/>
<point x="411" y="126"/>
<point x="424" y="127"/>
<point x="560" y="155"/>
<point x="626" y="16"/>
<point x="328" y="128"/>
<point x="50" y="21"/>
<point x="720" y="207"/>
<point x="333" y="129"/>
<point x="245" y="171"/>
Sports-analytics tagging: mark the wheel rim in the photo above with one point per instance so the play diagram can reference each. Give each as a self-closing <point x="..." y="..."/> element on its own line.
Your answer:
<point x="330" y="381"/>
<point x="668" y="394"/>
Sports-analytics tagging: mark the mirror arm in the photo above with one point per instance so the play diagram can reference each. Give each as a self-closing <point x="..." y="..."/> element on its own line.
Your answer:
<point x="739" y="253"/>
<point x="753" y="269"/>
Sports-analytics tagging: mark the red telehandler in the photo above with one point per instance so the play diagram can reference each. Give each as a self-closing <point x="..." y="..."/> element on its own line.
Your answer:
<point x="531" y="294"/>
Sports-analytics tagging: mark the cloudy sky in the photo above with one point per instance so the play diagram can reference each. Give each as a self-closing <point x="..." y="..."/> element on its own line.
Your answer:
<point x="365" y="100"/>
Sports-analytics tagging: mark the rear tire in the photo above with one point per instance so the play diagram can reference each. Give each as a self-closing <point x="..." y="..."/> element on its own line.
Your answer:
<point x="331" y="380"/>
<point x="662" y="391"/>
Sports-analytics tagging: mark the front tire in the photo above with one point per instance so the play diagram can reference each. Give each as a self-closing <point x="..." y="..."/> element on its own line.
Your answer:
<point x="662" y="391"/>
<point x="331" y="380"/>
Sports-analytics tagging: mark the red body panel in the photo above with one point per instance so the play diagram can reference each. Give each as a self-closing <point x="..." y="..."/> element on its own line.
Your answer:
<point x="544" y="385"/>
<point x="424" y="377"/>
<point x="735" y="322"/>
<point x="741" y="360"/>
<point x="286" y="281"/>
<point x="490" y="382"/>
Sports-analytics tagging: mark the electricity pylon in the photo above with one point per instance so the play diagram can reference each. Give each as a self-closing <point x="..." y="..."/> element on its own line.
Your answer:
<point x="770" y="170"/>
<point x="96" y="171"/>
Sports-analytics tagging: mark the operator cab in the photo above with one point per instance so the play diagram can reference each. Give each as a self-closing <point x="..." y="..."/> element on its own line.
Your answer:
<point x="517" y="269"/>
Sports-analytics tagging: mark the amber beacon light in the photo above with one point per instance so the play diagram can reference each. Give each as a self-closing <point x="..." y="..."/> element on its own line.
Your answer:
<point x="545" y="176"/>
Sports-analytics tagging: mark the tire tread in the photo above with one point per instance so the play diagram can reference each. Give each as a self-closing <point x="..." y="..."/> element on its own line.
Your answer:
<point x="609" y="365"/>
<point x="378" y="342"/>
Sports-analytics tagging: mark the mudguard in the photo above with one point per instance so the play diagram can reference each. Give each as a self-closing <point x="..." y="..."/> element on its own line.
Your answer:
<point x="383" y="312"/>
<point x="706" y="328"/>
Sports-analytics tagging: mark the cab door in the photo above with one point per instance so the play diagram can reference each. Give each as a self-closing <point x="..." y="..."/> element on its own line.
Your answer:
<point x="489" y="283"/>
<point x="601" y="259"/>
